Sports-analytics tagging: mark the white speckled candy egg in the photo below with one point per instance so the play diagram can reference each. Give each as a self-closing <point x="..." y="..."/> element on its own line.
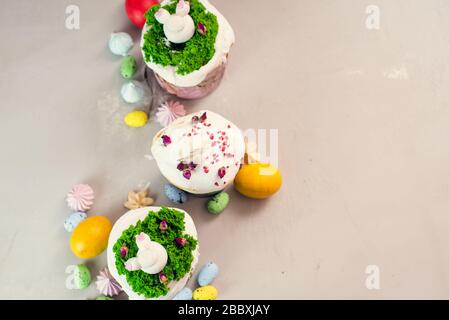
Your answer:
<point x="207" y="274"/>
<point x="184" y="294"/>
<point x="73" y="220"/>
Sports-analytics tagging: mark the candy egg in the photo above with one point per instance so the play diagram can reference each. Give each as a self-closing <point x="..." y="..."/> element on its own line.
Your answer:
<point x="174" y="194"/>
<point x="120" y="43"/>
<point x="205" y="293"/>
<point x="128" y="67"/>
<point x="90" y="237"/>
<point x="218" y="203"/>
<point x="136" y="119"/>
<point x="81" y="276"/>
<point x="132" y="91"/>
<point x="184" y="294"/>
<point x="207" y="274"/>
<point x="258" y="180"/>
<point x="73" y="220"/>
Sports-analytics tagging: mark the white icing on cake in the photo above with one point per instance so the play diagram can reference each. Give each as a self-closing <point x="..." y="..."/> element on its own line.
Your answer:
<point x="214" y="146"/>
<point x="223" y="43"/>
<point x="130" y="218"/>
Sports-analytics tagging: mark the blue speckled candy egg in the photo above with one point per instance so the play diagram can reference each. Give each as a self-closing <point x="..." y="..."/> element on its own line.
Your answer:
<point x="120" y="43"/>
<point x="73" y="220"/>
<point x="207" y="274"/>
<point x="174" y="194"/>
<point x="184" y="294"/>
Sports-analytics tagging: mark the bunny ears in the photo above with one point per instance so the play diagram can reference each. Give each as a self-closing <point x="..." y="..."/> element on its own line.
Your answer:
<point x="182" y="9"/>
<point x="179" y="27"/>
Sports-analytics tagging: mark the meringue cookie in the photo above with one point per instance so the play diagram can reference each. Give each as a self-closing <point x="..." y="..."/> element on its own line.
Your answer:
<point x="106" y="284"/>
<point x="132" y="91"/>
<point x="138" y="199"/>
<point x="168" y="112"/>
<point x="80" y="198"/>
<point x="120" y="43"/>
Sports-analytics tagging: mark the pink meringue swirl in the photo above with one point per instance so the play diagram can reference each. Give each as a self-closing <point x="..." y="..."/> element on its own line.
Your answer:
<point x="80" y="198"/>
<point x="106" y="284"/>
<point x="169" y="111"/>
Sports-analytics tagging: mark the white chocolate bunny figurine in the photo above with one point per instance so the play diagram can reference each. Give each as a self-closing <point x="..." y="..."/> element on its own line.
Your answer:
<point x="178" y="27"/>
<point x="151" y="256"/>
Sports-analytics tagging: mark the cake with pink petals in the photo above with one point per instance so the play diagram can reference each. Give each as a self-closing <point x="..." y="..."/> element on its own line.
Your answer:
<point x="199" y="153"/>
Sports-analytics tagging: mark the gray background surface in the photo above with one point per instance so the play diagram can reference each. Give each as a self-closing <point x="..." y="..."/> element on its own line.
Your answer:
<point x="363" y="142"/>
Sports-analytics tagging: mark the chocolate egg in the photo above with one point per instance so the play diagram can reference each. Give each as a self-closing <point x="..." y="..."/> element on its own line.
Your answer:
<point x="258" y="180"/>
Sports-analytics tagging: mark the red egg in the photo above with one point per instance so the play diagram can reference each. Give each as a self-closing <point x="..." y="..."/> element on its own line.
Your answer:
<point x="135" y="9"/>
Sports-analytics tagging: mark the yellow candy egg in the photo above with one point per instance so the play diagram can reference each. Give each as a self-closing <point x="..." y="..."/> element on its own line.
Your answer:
<point x="90" y="237"/>
<point x="136" y="119"/>
<point x="205" y="293"/>
<point x="258" y="180"/>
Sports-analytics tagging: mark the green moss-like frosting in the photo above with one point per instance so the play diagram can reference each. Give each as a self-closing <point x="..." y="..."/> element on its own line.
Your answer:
<point x="196" y="53"/>
<point x="179" y="258"/>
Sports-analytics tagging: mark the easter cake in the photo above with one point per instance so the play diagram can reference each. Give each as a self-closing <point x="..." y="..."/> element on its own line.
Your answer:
<point x="152" y="252"/>
<point x="199" y="153"/>
<point x="186" y="44"/>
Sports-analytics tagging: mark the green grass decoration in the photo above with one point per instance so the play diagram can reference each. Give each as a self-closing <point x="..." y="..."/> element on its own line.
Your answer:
<point x="179" y="258"/>
<point x="196" y="53"/>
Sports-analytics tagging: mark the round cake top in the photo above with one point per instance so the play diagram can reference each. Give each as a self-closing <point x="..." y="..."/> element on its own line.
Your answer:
<point x="199" y="153"/>
<point x="152" y="252"/>
<point x="178" y="54"/>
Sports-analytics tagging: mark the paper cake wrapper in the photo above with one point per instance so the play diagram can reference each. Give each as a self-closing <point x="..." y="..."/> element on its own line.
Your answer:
<point x="206" y="87"/>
